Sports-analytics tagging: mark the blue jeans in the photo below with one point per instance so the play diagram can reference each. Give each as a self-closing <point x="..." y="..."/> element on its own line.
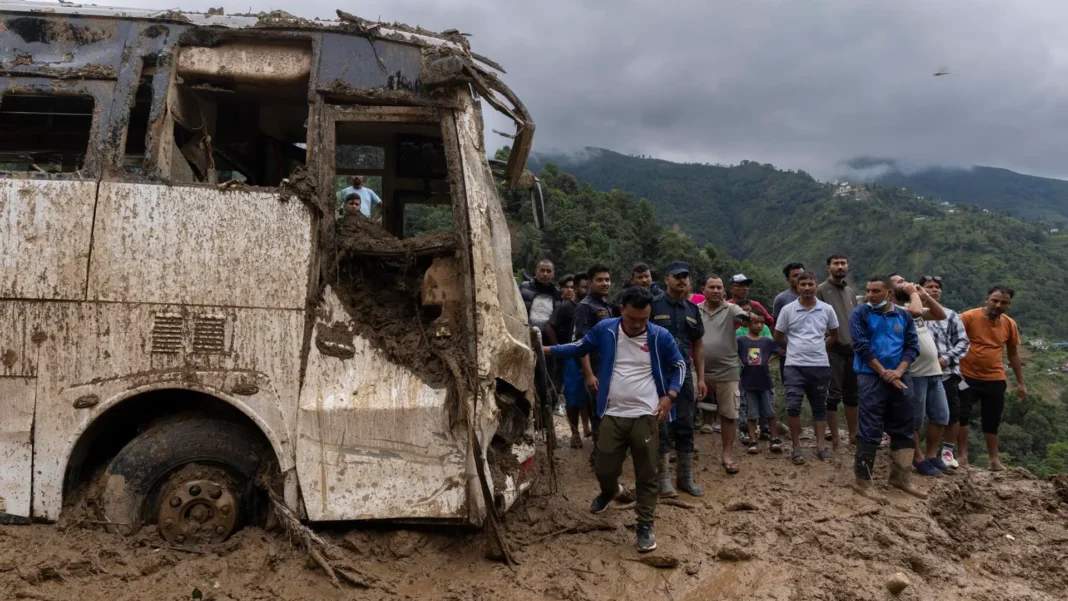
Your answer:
<point x="884" y="408"/>
<point x="759" y="403"/>
<point x="929" y="397"/>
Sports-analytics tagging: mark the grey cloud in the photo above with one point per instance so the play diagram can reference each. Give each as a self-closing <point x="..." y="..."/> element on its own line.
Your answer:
<point x="801" y="84"/>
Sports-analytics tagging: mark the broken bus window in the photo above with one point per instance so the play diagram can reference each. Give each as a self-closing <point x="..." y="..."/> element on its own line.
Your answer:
<point x="41" y="132"/>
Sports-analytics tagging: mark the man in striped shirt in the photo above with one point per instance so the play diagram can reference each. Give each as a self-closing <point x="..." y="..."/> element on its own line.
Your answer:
<point x="953" y="345"/>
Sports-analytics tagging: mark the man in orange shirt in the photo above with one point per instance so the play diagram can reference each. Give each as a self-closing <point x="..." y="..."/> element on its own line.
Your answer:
<point x="989" y="331"/>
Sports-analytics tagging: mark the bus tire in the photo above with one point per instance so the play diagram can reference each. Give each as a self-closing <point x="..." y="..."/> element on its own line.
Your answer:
<point x="195" y="470"/>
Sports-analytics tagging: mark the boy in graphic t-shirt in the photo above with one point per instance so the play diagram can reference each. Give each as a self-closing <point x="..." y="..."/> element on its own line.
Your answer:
<point x="755" y="352"/>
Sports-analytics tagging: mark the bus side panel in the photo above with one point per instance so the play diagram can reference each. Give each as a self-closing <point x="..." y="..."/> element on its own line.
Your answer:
<point x="16" y="422"/>
<point x="45" y="229"/>
<point x="200" y="245"/>
<point x="374" y="439"/>
<point x="94" y="355"/>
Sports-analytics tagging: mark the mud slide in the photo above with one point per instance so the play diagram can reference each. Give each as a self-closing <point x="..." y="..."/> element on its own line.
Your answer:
<point x="774" y="531"/>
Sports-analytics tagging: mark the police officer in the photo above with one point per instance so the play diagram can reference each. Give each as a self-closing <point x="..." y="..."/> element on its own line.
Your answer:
<point x="674" y="312"/>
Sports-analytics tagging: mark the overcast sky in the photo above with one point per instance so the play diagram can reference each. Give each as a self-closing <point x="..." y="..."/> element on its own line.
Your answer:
<point x="798" y="83"/>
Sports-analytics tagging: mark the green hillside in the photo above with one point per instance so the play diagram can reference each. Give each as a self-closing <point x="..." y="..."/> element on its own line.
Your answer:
<point x="756" y="213"/>
<point x="1024" y="196"/>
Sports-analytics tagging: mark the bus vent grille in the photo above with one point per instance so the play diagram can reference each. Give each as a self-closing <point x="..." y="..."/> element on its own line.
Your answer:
<point x="209" y="334"/>
<point x="167" y="334"/>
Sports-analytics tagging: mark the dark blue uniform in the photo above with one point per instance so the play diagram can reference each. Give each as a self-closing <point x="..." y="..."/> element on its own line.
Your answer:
<point x="682" y="319"/>
<point x="589" y="312"/>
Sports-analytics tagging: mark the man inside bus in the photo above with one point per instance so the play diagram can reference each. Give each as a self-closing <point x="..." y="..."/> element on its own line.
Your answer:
<point x="363" y="200"/>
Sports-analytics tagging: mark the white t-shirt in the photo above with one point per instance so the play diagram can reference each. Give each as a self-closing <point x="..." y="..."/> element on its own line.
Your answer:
<point x="926" y="363"/>
<point x="806" y="333"/>
<point x="633" y="391"/>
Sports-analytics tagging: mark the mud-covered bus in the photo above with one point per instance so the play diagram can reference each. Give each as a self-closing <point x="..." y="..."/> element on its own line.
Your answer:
<point x="188" y="318"/>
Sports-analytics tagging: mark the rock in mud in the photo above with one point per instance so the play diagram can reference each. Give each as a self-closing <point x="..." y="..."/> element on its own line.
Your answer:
<point x="897" y="583"/>
<point x="734" y="554"/>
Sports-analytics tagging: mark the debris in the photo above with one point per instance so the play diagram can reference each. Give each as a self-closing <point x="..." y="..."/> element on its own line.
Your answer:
<point x="575" y="529"/>
<point x="734" y="554"/>
<point x="677" y="503"/>
<point x="659" y="561"/>
<point x="742" y="506"/>
<point x="897" y="583"/>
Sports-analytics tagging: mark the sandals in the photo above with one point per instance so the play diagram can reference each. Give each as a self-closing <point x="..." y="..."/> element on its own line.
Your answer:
<point x="731" y="468"/>
<point x="824" y="455"/>
<point x="776" y="445"/>
<point x="752" y="448"/>
<point x="797" y="457"/>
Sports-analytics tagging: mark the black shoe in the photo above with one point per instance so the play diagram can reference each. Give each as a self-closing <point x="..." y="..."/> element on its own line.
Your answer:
<point x="646" y="540"/>
<point x="765" y="433"/>
<point x="601" y="501"/>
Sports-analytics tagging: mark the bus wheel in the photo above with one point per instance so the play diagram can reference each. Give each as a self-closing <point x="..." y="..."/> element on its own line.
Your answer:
<point x="193" y="476"/>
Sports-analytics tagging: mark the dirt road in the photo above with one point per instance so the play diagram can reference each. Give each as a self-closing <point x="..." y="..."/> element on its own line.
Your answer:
<point x="980" y="536"/>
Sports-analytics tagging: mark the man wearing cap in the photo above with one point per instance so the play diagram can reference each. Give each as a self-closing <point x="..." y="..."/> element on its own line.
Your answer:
<point x="673" y="312"/>
<point x="722" y="369"/>
<point x="739" y="286"/>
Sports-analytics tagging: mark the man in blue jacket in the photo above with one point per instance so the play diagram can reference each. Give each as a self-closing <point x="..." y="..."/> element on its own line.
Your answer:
<point x="640" y="375"/>
<point x="885" y="344"/>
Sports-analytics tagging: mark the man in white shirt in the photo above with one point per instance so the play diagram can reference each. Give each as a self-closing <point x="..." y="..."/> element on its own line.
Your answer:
<point x="806" y="327"/>
<point x="640" y="375"/>
<point x="363" y="199"/>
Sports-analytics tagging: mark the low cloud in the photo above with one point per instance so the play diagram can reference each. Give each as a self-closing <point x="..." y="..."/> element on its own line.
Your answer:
<point x="799" y="84"/>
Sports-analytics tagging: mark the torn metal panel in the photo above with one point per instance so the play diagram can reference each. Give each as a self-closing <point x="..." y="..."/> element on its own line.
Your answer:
<point x="199" y="245"/>
<point x="105" y="350"/>
<point x="16" y="423"/>
<point x="504" y="348"/>
<point x="53" y="45"/>
<point x="45" y="229"/>
<point x="375" y="441"/>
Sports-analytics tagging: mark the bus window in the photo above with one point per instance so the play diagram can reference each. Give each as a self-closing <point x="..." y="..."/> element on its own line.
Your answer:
<point x="44" y="133"/>
<point x="240" y="112"/>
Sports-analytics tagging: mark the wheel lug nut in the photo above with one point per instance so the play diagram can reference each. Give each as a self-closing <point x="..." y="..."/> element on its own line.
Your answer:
<point x="215" y="494"/>
<point x="220" y="529"/>
<point x="224" y="509"/>
<point x="180" y="538"/>
<point x="168" y="523"/>
<point x="194" y="490"/>
<point x="175" y="501"/>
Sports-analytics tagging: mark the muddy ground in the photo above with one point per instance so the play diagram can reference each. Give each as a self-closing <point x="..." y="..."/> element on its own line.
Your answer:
<point x="981" y="536"/>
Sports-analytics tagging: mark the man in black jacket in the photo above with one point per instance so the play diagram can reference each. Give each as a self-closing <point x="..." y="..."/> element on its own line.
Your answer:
<point x="540" y="295"/>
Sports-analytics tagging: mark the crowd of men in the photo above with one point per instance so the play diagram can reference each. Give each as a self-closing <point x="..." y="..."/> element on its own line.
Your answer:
<point x="642" y="372"/>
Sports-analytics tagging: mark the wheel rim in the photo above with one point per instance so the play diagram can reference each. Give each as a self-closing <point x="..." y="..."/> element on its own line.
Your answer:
<point x="198" y="508"/>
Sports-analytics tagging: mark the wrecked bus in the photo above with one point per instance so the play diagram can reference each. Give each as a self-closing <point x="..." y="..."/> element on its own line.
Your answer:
<point x="186" y="316"/>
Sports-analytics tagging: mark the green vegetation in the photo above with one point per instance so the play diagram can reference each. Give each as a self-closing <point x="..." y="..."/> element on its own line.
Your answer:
<point x="768" y="217"/>
<point x="1024" y="196"/>
<point x="762" y="217"/>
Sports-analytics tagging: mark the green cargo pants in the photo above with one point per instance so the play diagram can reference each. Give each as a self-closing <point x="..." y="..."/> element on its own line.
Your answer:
<point x="639" y="434"/>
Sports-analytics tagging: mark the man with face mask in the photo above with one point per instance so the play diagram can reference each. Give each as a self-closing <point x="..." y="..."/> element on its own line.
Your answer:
<point x="884" y="335"/>
<point x="641" y="373"/>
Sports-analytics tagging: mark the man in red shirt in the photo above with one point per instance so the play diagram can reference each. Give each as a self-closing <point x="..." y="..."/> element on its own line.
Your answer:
<point x="989" y="331"/>
<point x="739" y="286"/>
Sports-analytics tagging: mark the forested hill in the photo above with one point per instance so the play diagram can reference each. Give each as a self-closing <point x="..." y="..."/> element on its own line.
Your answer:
<point x="1024" y="196"/>
<point x="757" y="218"/>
